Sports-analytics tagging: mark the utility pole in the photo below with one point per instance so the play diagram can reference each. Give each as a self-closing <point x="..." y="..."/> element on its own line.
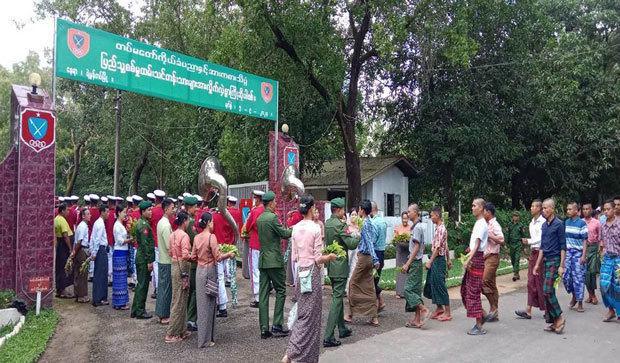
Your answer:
<point x="117" y="141"/>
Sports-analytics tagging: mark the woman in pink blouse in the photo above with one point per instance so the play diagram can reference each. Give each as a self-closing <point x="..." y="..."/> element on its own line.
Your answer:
<point x="207" y="254"/>
<point x="180" y="256"/>
<point x="306" y="251"/>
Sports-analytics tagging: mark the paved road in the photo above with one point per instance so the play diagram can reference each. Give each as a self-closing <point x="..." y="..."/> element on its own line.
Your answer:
<point x="106" y="335"/>
<point x="586" y="339"/>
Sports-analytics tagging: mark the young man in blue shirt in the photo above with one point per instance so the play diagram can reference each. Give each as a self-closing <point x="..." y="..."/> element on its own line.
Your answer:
<point x="576" y="231"/>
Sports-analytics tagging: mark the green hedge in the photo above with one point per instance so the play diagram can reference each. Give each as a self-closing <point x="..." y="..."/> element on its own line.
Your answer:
<point x="6" y="298"/>
<point x="30" y="342"/>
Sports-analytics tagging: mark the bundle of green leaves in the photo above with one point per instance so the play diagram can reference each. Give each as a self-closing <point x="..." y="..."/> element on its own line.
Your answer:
<point x="225" y="248"/>
<point x="336" y="249"/>
<point x="402" y="239"/>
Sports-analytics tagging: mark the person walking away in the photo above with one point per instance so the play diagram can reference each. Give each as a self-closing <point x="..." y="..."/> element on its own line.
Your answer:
<point x="157" y="214"/>
<point x="362" y="295"/>
<point x="145" y="255"/>
<point x="491" y="262"/>
<point x="516" y="233"/>
<point x="471" y="286"/>
<point x="99" y="254"/>
<point x="379" y="245"/>
<point x="180" y="249"/>
<point x="593" y="260"/>
<point x="438" y="265"/>
<point x="535" y="293"/>
<point x="271" y="266"/>
<point x="553" y="252"/>
<point x="306" y="251"/>
<point x="338" y="271"/>
<point x="81" y="253"/>
<point x="576" y="245"/>
<point x="164" y="290"/>
<point x="414" y="270"/>
<point x="64" y="247"/>
<point x="206" y="252"/>
<point x="120" y="292"/>
<point x="609" y="280"/>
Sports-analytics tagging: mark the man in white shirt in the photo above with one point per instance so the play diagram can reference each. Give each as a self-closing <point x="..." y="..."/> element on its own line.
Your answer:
<point x="491" y="261"/>
<point x="99" y="253"/>
<point x="535" y="295"/>
<point x="471" y="287"/>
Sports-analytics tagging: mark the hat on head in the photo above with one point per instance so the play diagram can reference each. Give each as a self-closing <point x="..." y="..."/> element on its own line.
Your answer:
<point x="269" y="196"/>
<point x="198" y="198"/>
<point x="173" y="200"/>
<point x="136" y="198"/>
<point x="94" y="197"/>
<point x="191" y="200"/>
<point x="150" y="196"/>
<point x="159" y="193"/>
<point x="180" y="197"/>
<point x="104" y="199"/>
<point x="145" y="204"/>
<point x="87" y="198"/>
<point x="61" y="199"/>
<point x="232" y="199"/>
<point x="186" y="194"/>
<point x="129" y="199"/>
<point x="337" y="202"/>
<point x="258" y="193"/>
<point x="75" y="197"/>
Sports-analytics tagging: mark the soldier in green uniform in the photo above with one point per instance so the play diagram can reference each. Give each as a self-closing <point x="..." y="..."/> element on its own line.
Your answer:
<point x="190" y="203"/>
<point x="338" y="271"/>
<point x="145" y="255"/>
<point x="516" y="232"/>
<point x="271" y="267"/>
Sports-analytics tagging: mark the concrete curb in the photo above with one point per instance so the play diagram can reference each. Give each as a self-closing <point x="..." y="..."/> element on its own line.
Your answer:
<point x="8" y="316"/>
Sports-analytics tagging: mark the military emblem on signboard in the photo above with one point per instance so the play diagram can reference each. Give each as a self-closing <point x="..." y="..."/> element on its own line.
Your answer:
<point x="266" y="90"/>
<point x="38" y="129"/>
<point x="78" y="42"/>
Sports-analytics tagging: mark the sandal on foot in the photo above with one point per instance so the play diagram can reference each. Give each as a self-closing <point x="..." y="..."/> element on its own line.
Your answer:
<point x="560" y="329"/>
<point x="580" y="310"/>
<point x="413" y="325"/>
<point x="371" y="323"/>
<point x="609" y="318"/>
<point x="437" y="314"/>
<point x="523" y="314"/>
<point x="550" y="328"/>
<point x="444" y="318"/>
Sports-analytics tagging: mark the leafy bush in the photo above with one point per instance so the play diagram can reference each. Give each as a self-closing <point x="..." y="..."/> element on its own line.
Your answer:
<point x="6" y="298"/>
<point x="390" y="252"/>
<point x="30" y="342"/>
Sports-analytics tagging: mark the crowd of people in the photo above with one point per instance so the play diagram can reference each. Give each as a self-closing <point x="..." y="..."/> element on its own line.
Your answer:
<point x="175" y="243"/>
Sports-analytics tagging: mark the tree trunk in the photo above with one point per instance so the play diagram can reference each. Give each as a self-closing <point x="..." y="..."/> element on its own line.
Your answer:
<point x="137" y="171"/>
<point x="75" y="168"/>
<point x="448" y="192"/>
<point x="352" y="162"/>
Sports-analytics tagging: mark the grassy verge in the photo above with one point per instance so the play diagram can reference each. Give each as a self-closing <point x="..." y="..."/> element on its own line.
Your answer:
<point x="30" y="342"/>
<point x="388" y="276"/>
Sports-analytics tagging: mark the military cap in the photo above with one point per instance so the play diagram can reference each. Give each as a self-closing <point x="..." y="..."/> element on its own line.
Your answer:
<point x="145" y="204"/>
<point x="337" y="202"/>
<point x="269" y="196"/>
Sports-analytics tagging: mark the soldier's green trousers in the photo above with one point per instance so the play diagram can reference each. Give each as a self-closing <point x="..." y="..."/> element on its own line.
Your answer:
<point x="336" y="311"/>
<point x="275" y="276"/>
<point x="191" y="301"/>
<point x="515" y="256"/>
<point x="142" y="289"/>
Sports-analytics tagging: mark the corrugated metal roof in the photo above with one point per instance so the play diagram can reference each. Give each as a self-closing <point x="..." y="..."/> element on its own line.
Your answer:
<point x="334" y="174"/>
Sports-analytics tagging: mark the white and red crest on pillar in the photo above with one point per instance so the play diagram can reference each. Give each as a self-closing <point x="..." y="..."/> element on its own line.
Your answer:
<point x="37" y="129"/>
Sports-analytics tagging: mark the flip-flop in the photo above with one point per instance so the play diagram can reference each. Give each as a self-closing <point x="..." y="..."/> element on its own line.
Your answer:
<point x="609" y="319"/>
<point x="412" y="325"/>
<point x="173" y="340"/>
<point x="373" y="324"/>
<point x="550" y="329"/>
<point x="560" y="329"/>
<point x="594" y="302"/>
<point x="444" y="318"/>
<point x="580" y="310"/>
<point x="437" y="314"/>
<point x="523" y="315"/>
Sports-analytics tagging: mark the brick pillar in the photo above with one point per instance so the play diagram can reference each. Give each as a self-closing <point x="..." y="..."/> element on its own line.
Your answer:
<point x="27" y="177"/>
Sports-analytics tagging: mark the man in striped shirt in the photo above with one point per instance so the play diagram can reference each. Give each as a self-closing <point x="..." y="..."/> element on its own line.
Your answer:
<point x="576" y="231"/>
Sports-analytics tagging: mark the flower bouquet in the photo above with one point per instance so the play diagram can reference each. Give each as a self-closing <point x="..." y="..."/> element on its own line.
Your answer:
<point x="336" y="249"/>
<point x="244" y="233"/>
<point x="401" y="239"/>
<point x="132" y="228"/>
<point x="358" y="221"/>
<point x="69" y="265"/>
<point x="225" y="248"/>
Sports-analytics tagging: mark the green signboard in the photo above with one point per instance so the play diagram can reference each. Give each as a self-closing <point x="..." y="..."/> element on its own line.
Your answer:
<point x="93" y="56"/>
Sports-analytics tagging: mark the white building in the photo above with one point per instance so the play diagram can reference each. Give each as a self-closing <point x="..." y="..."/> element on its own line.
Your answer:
<point x="385" y="180"/>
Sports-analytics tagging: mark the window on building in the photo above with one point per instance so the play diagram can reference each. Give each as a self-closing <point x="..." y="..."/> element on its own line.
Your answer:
<point x="391" y="205"/>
